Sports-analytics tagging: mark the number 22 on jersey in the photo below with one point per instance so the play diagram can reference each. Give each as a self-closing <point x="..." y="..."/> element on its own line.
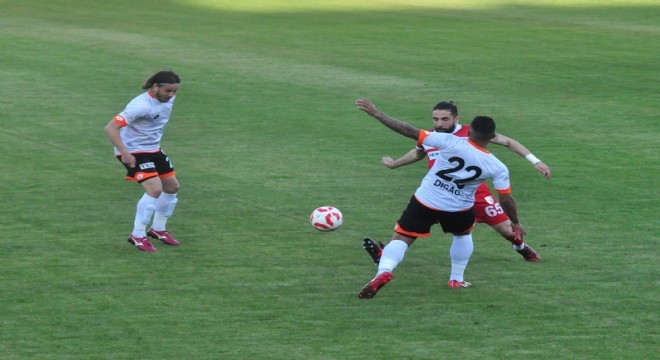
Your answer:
<point x="459" y="165"/>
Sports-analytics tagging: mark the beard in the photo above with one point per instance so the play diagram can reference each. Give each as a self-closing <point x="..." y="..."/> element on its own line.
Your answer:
<point x="162" y="98"/>
<point x="448" y="131"/>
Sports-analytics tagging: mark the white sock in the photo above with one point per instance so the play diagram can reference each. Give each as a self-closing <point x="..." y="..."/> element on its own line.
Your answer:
<point x="392" y="255"/>
<point x="164" y="209"/>
<point x="145" y="209"/>
<point x="460" y="252"/>
<point x="519" y="247"/>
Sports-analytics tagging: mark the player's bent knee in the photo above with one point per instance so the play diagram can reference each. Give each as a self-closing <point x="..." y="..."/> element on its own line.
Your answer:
<point x="155" y="193"/>
<point x="171" y="189"/>
<point x="170" y="185"/>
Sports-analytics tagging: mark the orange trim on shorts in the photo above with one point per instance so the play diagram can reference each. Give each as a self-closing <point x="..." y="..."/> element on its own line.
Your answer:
<point x="505" y="191"/>
<point x="466" y="231"/>
<point x="141" y="176"/>
<point x="168" y="175"/>
<point x="399" y="230"/>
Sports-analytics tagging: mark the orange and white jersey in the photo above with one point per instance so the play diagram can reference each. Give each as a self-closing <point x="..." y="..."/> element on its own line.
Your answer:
<point x="432" y="152"/>
<point x="142" y="123"/>
<point x="459" y="168"/>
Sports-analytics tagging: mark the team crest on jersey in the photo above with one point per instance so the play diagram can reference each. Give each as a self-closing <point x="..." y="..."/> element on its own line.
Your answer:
<point x="489" y="199"/>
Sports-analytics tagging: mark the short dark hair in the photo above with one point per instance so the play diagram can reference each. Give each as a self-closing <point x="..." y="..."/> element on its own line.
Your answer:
<point x="483" y="127"/>
<point x="447" y="105"/>
<point x="161" y="77"/>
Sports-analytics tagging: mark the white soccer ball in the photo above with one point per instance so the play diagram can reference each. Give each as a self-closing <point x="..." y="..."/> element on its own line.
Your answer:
<point x="326" y="218"/>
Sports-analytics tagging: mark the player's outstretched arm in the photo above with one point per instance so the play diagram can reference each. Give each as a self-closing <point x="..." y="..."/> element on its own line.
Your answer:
<point x="410" y="157"/>
<point x="398" y="126"/>
<point x="521" y="150"/>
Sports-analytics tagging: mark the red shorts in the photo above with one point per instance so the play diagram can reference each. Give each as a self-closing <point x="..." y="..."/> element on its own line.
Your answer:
<point x="486" y="208"/>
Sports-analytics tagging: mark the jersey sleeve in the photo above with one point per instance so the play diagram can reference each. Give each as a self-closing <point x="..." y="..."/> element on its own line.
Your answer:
<point x="501" y="182"/>
<point x="134" y="110"/>
<point x="120" y="120"/>
<point x="432" y="138"/>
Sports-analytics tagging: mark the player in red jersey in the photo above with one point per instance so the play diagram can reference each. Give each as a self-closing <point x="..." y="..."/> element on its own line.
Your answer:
<point x="487" y="209"/>
<point x="445" y="196"/>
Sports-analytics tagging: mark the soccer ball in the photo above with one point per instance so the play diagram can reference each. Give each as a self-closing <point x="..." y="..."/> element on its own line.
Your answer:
<point x="326" y="218"/>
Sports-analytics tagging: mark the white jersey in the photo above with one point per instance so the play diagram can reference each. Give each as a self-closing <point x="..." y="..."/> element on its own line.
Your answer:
<point x="460" y="167"/>
<point x="142" y="123"/>
<point x="432" y="152"/>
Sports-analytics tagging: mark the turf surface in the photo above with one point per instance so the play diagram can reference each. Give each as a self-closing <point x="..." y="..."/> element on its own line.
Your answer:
<point x="264" y="130"/>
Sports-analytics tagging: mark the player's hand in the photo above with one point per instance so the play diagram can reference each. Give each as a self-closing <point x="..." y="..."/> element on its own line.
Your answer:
<point x="388" y="161"/>
<point x="128" y="159"/>
<point x="518" y="232"/>
<point x="543" y="169"/>
<point x="366" y="106"/>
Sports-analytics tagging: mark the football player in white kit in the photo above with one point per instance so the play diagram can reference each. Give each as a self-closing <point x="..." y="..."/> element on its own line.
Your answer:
<point x="445" y="196"/>
<point x="486" y="208"/>
<point x="136" y="133"/>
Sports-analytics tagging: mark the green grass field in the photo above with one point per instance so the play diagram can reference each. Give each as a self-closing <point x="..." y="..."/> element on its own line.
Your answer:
<point x="264" y="130"/>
